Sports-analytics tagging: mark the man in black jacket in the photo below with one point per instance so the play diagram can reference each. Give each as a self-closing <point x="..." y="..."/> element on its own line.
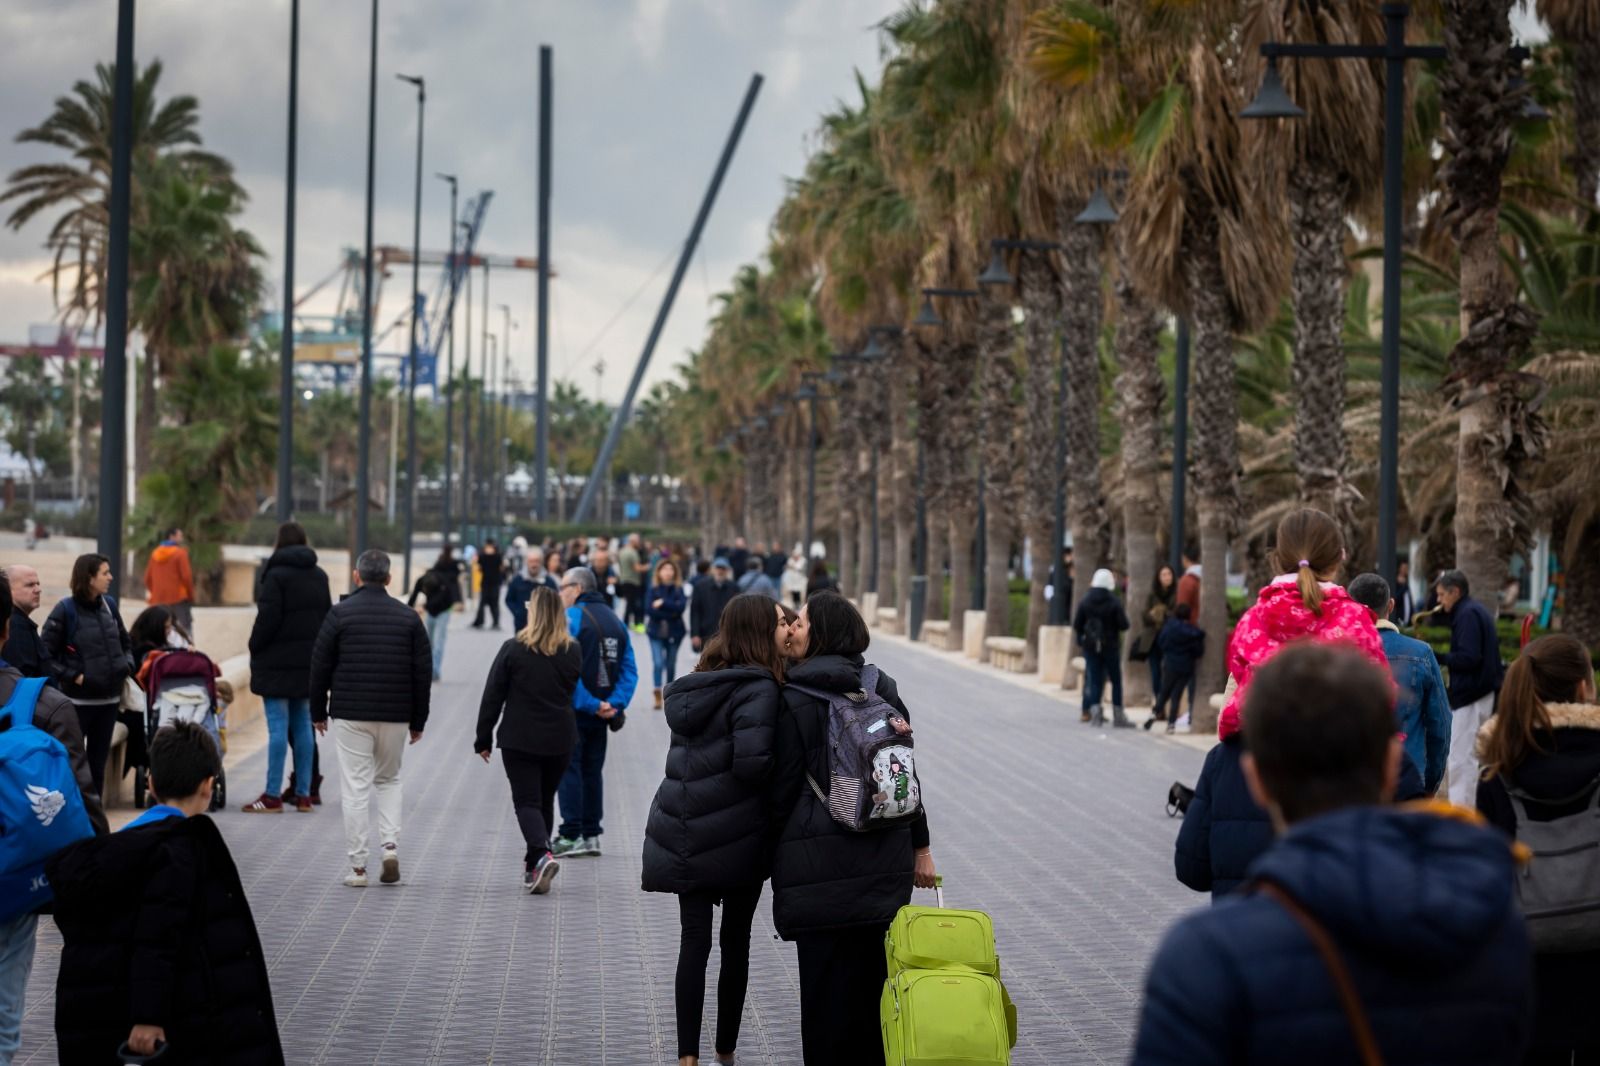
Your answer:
<point x="371" y="672"/>
<point x="491" y="569"/>
<point x="710" y="597"/>
<point x="1475" y="673"/>
<point x="23" y="648"/>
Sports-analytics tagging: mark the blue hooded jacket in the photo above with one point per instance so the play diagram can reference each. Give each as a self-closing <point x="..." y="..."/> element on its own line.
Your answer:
<point x="1421" y="705"/>
<point x="1423" y="914"/>
<point x="592" y="623"/>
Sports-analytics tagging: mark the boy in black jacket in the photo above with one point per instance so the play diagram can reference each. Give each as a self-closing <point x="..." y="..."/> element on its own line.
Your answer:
<point x="160" y="946"/>
<point x="1181" y="646"/>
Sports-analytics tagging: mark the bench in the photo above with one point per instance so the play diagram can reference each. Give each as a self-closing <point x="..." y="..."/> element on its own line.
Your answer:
<point x="1006" y="653"/>
<point x="889" y="619"/>
<point x="936" y="631"/>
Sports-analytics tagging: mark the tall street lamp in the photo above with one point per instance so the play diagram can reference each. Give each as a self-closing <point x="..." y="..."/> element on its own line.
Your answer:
<point x="928" y="317"/>
<point x="416" y="312"/>
<point x="450" y="363"/>
<point x="286" y="340"/>
<point x="503" y="415"/>
<point x="113" y="403"/>
<point x="364" y="423"/>
<point x="1273" y="101"/>
<point x="1180" y="447"/>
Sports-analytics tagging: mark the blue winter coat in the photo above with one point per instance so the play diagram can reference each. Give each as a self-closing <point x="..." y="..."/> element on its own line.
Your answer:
<point x="1474" y="656"/>
<point x="669" y="614"/>
<point x="1224" y="830"/>
<point x="1421" y="704"/>
<point x="1422" y="911"/>
<point x="1181" y="646"/>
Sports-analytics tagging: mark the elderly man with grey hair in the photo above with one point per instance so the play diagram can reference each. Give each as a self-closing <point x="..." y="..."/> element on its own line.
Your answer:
<point x="371" y="672"/>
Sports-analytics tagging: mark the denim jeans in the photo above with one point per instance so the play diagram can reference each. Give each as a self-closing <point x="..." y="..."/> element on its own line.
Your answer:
<point x="438" y="626"/>
<point x="288" y="722"/>
<point x="16" y="963"/>
<point x="664" y="660"/>
<point x="1100" y="668"/>
<point x="1155" y="672"/>
<point x="582" y="790"/>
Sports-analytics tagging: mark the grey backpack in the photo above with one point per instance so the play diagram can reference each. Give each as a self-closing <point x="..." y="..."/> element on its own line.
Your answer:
<point x="1559" y="890"/>
<point x="872" y="776"/>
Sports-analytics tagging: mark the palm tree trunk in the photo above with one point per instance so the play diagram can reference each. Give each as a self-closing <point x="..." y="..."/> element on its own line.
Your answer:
<point x="935" y="477"/>
<point x="1139" y="392"/>
<point x="1581" y="614"/>
<point x="1001" y="460"/>
<point x="1040" y="301"/>
<point x="1215" y="466"/>
<point x="866" y="542"/>
<point x="903" y="451"/>
<point x="1585" y="159"/>
<point x="1318" y="190"/>
<point x="957" y="429"/>
<point x="1081" y="304"/>
<point x="846" y="490"/>
<point x="963" y="532"/>
<point x="1499" y="433"/>
<point x="145" y="418"/>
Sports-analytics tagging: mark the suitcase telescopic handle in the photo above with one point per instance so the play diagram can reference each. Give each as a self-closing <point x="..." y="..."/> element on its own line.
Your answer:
<point x="938" y="890"/>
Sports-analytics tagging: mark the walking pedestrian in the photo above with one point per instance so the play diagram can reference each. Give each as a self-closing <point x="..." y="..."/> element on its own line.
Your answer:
<point x="793" y="584"/>
<point x="774" y="562"/>
<point x="600" y="702"/>
<point x="1158" y="605"/>
<point x="531" y="684"/>
<point x="834" y="892"/>
<point x="169" y="579"/>
<point x="1542" y="746"/>
<point x="755" y="579"/>
<point x="1302" y="602"/>
<point x="292" y="601"/>
<point x="54" y="714"/>
<point x="739" y="556"/>
<point x="1368" y="933"/>
<point x="90" y="656"/>
<point x="1405" y="605"/>
<point x="1179" y="646"/>
<point x="1098" y="626"/>
<point x="490" y="574"/>
<point x="706" y="838"/>
<point x="664" y="619"/>
<point x="632" y="568"/>
<point x="439" y="589"/>
<point x="24" y="650"/>
<point x="370" y="673"/>
<point x="1421" y="708"/>
<point x="820" y="580"/>
<point x="710" y="597"/>
<point x="1474" y="664"/>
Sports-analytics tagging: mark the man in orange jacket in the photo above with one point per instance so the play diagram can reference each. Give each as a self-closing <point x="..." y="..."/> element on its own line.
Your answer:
<point x="168" y="580"/>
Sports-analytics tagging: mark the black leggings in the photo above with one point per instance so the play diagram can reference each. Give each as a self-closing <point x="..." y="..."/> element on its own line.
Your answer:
<point x="533" y="793"/>
<point x="694" y="951"/>
<point x="841" y="982"/>
<point x="97" y="721"/>
<point x="1172" y="685"/>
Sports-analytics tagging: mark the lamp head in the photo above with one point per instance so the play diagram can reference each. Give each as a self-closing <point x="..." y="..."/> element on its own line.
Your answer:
<point x="1098" y="211"/>
<point x="996" y="273"/>
<point x="1273" y="100"/>
<point x="927" y="316"/>
<point x="417" y="81"/>
<point x="873" y="350"/>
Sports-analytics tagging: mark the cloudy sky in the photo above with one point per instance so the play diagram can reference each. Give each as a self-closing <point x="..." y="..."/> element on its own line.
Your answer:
<point x="645" y="91"/>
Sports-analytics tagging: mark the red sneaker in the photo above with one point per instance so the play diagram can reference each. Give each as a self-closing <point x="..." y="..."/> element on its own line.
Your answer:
<point x="302" y="805"/>
<point x="265" y="805"/>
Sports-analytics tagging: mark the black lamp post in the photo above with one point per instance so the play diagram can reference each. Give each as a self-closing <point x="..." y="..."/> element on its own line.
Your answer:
<point x="416" y="312"/>
<point x="1273" y="102"/>
<point x="286" y="340"/>
<point x="450" y="363"/>
<point x="364" y="423"/>
<point x="114" y="394"/>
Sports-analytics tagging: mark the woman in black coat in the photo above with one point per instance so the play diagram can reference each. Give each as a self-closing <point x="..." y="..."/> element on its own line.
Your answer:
<point x="835" y="892"/>
<point x="1544" y="742"/>
<point x="531" y="683"/>
<point x="706" y="839"/>
<point x="292" y="599"/>
<point x="90" y="656"/>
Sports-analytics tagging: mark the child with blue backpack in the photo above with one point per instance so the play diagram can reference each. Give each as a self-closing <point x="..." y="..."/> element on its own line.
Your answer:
<point x="160" y="952"/>
<point x="47" y="801"/>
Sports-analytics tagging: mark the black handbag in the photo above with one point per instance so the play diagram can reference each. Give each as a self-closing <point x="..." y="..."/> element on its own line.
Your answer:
<point x="1178" y="799"/>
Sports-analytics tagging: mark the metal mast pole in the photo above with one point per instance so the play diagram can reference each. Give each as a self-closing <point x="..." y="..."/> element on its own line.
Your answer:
<point x="1394" y="98"/>
<point x="364" y="426"/>
<point x="614" y="434"/>
<point x="450" y="368"/>
<point x="113" y="403"/>
<point x="541" y="460"/>
<point x="466" y="408"/>
<point x="286" y="341"/>
<point x="485" y="417"/>
<point x="1180" y="446"/>
<point x="416" y="312"/>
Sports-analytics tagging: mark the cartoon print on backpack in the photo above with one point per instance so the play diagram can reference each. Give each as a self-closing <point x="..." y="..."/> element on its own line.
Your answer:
<point x="892" y="768"/>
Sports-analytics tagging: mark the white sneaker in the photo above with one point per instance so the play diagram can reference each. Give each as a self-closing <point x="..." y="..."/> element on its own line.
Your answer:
<point x="356" y="878"/>
<point x="391" y="866"/>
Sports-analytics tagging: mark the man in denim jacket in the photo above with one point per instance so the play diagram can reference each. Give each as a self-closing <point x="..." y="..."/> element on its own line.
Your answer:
<point x="1421" y="705"/>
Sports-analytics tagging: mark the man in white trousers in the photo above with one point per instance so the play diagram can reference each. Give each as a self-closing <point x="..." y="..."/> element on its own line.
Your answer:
<point x="371" y="673"/>
<point x="1475" y="674"/>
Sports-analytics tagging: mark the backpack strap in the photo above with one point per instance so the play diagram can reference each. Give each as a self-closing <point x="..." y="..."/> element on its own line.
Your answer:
<point x="19" y="708"/>
<point x="69" y="612"/>
<point x="869" y="679"/>
<point x="1344" y="985"/>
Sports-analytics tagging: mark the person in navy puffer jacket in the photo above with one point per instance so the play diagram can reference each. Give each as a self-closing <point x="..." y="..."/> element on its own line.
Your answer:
<point x="1416" y="902"/>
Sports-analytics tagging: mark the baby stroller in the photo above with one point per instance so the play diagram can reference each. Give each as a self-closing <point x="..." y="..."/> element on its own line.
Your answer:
<point x="182" y="687"/>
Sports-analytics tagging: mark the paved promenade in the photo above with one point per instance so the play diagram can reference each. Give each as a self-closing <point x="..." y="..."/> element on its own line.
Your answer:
<point x="1055" y="830"/>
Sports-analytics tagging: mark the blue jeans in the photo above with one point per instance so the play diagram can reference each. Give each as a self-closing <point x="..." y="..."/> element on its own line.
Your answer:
<point x="664" y="659"/>
<point x="582" y="791"/>
<point x="16" y="963"/>
<point x="289" y="722"/>
<point x="1100" y="668"/>
<point x="1155" y="672"/>
<point x="438" y="626"/>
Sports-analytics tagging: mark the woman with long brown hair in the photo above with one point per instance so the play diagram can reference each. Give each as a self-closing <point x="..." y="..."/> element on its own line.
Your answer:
<point x="1543" y="747"/>
<point x="532" y="682"/>
<point x="706" y="838"/>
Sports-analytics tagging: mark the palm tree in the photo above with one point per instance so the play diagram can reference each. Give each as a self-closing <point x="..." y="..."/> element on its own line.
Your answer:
<point x="1002" y="457"/>
<point x="81" y="126"/>
<point x="1041" y="294"/>
<point x="1575" y="25"/>
<point x="1501" y="431"/>
<point x="27" y="399"/>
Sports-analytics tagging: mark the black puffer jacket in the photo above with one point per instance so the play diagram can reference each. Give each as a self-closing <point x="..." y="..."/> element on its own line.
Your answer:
<point x="290" y="605"/>
<point x="708" y="824"/>
<point x="372" y="661"/>
<point x="98" y="649"/>
<point x="177" y="948"/>
<point x="823" y="875"/>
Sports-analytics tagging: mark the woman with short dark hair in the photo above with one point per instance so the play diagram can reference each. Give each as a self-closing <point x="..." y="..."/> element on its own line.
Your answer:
<point x="90" y="656"/>
<point x="834" y="892"/>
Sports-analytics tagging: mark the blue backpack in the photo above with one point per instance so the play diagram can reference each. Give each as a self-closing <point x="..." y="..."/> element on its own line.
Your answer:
<point x="41" y="809"/>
